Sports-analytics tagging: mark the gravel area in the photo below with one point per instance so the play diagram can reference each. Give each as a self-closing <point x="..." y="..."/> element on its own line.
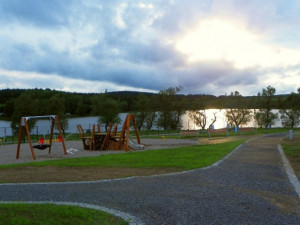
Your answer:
<point x="249" y="187"/>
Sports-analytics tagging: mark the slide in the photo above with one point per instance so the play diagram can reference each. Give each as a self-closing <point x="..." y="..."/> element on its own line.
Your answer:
<point x="134" y="145"/>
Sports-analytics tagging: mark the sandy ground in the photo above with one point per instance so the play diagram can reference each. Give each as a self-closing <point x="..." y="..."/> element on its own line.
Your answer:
<point x="75" y="149"/>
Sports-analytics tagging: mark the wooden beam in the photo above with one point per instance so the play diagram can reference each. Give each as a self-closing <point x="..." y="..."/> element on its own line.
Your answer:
<point x="61" y="134"/>
<point x="19" y="140"/>
<point x="29" y="139"/>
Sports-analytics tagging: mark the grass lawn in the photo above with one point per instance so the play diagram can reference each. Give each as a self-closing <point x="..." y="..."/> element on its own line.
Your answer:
<point x="141" y="163"/>
<point x="185" y="158"/>
<point x="292" y="151"/>
<point x="51" y="214"/>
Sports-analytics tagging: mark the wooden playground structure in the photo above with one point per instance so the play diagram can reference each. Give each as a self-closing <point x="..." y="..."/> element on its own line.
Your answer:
<point x="42" y="144"/>
<point x="111" y="140"/>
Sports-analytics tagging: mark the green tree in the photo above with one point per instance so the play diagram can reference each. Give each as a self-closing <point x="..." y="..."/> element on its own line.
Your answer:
<point x="9" y="108"/>
<point x="199" y="117"/>
<point x="56" y="106"/>
<point x="290" y="110"/>
<point x="107" y="109"/>
<point x="150" y="120"/>
<point x="83" y="106"/>
<point x="170" y="109"/>
<point x="239" y="115"/>
<point x="142" y="104"/>
<point x="25" y="105"/>
<point x="264" y="116"/>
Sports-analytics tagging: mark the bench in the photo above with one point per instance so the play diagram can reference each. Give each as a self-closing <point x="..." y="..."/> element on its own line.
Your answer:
<point x="217" y="131"/>
<point x="246" y="129"/>
<point x="189" y="133"/>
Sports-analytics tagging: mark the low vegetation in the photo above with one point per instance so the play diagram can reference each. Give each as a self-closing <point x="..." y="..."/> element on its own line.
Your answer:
<point x="184" y="158"/>
<point x="292" y="151"/>
<point x="50" y="214"/>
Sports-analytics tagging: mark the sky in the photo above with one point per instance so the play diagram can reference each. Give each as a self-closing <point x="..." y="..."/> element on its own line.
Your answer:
<point x="207" y="47"/>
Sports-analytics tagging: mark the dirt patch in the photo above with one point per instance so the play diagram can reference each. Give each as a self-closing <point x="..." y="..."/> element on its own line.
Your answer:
<point x="28" y="174"/>
<point x="286" y="204"/>
<point x="219" y="140"/>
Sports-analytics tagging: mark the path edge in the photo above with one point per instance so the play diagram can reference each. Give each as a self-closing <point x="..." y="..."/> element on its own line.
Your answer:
<point x="289" y="170"/>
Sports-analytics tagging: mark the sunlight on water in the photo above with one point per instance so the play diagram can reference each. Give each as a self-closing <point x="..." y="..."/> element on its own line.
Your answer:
<point x="43" y="126"/>
<point x="221" y="121"/>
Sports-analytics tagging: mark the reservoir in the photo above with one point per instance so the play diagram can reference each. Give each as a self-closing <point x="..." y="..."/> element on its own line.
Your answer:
<point x="43" y="126"/>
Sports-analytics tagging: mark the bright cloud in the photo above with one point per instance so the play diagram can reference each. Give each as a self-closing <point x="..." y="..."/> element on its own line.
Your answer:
<point x="216" y="39"/>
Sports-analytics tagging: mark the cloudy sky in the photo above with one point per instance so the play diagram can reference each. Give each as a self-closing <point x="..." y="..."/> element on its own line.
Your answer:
<point x="207" y="47"/>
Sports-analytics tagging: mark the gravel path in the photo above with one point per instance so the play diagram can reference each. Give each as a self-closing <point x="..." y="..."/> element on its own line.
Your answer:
<point x="249" y="187"/>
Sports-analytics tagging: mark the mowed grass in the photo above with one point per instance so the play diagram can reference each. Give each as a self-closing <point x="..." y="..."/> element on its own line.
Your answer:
<point x="292" y="147"/>
<point x="185" y="158"/>
<point x="51" y="214"/>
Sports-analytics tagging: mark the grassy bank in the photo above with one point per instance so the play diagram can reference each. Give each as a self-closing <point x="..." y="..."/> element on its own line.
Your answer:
<point x="50" y="214"/>
<point x="292" y="152"/>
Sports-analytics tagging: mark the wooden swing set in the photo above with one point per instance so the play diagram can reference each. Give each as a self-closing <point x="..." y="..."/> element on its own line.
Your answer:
<point x="110" y="140"/>
<point x="41" y="145"/>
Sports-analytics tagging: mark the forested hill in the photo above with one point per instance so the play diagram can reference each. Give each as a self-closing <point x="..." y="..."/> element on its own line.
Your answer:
<point x="81" y="104"/>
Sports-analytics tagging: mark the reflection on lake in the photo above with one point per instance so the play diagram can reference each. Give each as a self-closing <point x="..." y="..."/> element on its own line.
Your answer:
<point x="221" y="121"/>
<point x="43" y="126"/>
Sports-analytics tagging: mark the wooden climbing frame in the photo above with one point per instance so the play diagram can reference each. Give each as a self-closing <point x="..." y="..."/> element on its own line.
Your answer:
<point x="110" y="140"/>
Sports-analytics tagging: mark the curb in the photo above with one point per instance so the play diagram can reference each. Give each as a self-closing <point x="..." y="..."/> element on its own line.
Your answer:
<point x="289" y="171"/>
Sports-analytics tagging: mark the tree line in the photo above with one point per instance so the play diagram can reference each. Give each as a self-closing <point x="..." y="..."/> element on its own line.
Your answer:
<point x="163" y="109"/>
<point x="289" y="110"/>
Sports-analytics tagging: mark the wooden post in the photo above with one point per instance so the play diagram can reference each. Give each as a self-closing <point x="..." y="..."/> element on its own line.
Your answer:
<point x="98" y="128"/>
<point x="127" y="134"/>
<point x="19" y="139"/>
<point x="29" y="139"/>
<point x="92" y="141"/>
<point x="61" y="134"/>
<point x="51" y="134"/>
<point x="115" y="130"/>
<point x="136" y="130"/>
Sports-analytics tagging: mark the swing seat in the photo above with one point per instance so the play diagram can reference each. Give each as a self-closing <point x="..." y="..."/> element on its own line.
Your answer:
<point x="41" y="146"/>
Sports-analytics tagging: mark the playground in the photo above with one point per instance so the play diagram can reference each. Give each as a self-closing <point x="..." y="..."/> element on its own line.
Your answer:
<point x="249" y="186"/>
<point x="92" y="145"/>
<point x="75" y="149"/>
<point x="27" y="173"/>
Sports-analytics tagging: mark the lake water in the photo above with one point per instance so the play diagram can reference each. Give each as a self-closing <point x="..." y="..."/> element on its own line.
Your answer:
<point x="43" y="126"/>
